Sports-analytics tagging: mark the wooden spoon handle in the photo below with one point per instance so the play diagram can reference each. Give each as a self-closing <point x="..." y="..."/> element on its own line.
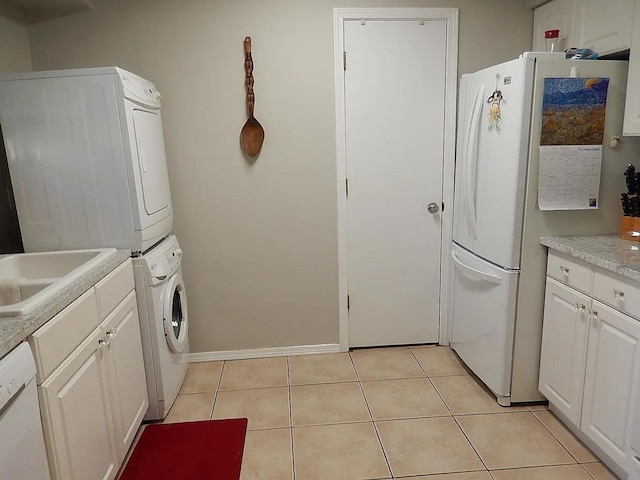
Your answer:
<point x="248" y="68"/>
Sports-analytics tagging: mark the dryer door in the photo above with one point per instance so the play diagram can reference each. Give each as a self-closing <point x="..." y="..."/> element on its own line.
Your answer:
<point x="175" y="314"/>
<point x="152" y="161"/>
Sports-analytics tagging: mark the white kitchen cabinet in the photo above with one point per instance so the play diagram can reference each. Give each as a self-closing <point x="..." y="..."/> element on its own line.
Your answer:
<point x="94" y="401"/>
<point x="611" y="380"/>
<point x="604" y="27"/>
<point x="632" y="103"/>
<point x="564" y="348"/>
<point x="554" y="15"/>
<point x="77" y="417"/>
<point x="126" y="371"/>
<point x="590" y="359"/>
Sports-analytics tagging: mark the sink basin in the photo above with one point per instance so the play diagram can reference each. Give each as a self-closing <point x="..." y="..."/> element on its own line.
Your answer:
<point x="40" y="276"/>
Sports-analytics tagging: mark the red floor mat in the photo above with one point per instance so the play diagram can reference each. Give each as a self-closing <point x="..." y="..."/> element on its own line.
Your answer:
<point x="208" y="450"/>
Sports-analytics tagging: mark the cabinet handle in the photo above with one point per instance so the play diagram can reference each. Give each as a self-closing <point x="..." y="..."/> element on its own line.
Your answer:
<point x="580" y="307"/>
<point x="618" y="293"/>
<point x="564" y="270"/>
<point x="112" y="333"/>
<point x="103" y="343"/>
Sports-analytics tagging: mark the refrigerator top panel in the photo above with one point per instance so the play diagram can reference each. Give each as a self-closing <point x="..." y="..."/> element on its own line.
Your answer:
<point x="491" y="160"/>
<point x="545" y="55"/>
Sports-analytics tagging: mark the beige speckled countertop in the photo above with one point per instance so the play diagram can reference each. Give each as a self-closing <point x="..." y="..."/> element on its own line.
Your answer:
<point x="13" y="330"/>
<point x="606" y="251"/>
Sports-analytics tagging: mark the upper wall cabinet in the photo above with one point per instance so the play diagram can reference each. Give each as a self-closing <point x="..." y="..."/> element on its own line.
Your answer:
<point x="554" y="15"/>
<point x="632" y="102"/>
<point x="604" y="27"/>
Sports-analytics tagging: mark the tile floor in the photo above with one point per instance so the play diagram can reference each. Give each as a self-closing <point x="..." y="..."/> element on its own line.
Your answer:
<point x="380" y="414"/>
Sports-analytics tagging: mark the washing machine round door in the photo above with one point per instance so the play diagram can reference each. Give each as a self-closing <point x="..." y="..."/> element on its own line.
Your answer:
<point x="175" y="314"/>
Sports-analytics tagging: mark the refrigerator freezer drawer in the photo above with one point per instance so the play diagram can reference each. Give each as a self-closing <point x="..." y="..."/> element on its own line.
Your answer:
<point x="483" y="317"/>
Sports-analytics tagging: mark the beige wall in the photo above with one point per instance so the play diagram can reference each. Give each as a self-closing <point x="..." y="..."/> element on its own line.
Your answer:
<point x="260" y="240"/>
<point x="14" y="51"/>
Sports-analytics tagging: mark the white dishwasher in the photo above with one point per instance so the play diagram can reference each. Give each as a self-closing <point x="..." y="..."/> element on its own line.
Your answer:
<point x="22" y="451"/>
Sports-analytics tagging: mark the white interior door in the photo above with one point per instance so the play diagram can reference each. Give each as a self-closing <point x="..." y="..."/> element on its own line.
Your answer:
<point x="394" y="117"/>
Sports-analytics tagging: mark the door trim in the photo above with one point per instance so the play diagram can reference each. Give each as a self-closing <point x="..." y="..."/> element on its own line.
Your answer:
<point x="450" y="16"/>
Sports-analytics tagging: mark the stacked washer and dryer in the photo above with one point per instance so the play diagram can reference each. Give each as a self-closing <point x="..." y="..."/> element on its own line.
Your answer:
<point x="88" y="168"/>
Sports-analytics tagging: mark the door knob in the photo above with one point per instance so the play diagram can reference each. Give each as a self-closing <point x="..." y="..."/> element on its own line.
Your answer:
<point x="433" y="207"/>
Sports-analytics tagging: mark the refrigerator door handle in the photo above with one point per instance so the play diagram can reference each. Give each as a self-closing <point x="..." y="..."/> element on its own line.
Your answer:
<point x="475" y="273"/>
<point x="472" y="163"/>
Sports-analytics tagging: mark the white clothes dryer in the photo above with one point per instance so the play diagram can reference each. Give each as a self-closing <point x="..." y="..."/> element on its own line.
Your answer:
<point x="164" y="323"/>
<point x="87" y="160"/>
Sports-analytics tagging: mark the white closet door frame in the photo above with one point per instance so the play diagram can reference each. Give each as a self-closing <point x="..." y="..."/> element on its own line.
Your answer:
<point x="450" y="15"/>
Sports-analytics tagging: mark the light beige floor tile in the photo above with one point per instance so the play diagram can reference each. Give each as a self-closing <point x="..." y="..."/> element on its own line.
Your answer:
<point x="439" y="361"/>
<point x="267" y="455"/>
<point x="512" y="440"/>
<point x="386" y="363"/>
<point x="426" y="445"/>
<point x="562" y="472"/>
<point x="484" y="475"/>
<point x="254" y="373"/>
<point x="599" y="471"/>
<point x="576" y="448"/>
<point x="538" y="407"/>
<point x="403" y="398"/>
<point x="202" y="377"/>
<point x="322" y="368"/>
<point x="328" y="403"/>
<point x="463" y="395"/>
<point x="191" y="408"/>
<point x="264" y="407"/>
<point x="338" y="452"/>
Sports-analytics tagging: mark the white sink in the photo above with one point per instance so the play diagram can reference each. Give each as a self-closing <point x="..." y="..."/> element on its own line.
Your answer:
<point x="40" y="276"/>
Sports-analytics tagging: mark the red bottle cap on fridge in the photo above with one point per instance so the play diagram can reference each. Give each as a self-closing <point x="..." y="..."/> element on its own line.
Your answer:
<point x="551" y="33"/>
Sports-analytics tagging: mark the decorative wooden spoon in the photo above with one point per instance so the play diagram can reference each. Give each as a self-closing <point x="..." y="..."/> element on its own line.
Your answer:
<point x="252" y="134"/>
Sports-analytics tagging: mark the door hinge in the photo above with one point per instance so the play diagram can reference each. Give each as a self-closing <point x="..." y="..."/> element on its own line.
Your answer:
<point x="344" y="60"/>
<point x="346" y="186"/>
<point x="348" y="302"/>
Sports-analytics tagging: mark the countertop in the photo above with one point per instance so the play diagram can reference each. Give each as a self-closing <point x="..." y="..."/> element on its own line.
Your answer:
<point x="605" y="251"/>
<point x="13" y="330"/>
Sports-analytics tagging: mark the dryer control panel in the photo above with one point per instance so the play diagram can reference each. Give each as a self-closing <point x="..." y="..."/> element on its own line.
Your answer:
<point x="139" y="90"/>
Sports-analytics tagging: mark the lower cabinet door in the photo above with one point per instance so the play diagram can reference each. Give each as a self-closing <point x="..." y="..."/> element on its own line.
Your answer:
<point x="127" y="378"/>
<point x="611" y="381"/>
<point x="564" y="348"/>
<point x="77" y="416"/>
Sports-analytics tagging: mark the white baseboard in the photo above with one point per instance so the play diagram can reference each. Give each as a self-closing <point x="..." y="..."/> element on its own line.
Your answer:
<point x="263" y="352"/>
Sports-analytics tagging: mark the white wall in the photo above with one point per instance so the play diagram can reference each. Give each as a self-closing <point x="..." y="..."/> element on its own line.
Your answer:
<point x="260" y="239"/>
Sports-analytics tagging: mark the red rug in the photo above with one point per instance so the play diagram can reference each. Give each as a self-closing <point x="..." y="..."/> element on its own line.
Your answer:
<point x="207" y="450"/>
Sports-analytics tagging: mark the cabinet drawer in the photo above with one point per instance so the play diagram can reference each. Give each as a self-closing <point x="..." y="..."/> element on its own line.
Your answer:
<point x="570" y="271"/>
<point x="619" y="292"/>
<point x="113" y="288"/>
<point x="59" y="337"/>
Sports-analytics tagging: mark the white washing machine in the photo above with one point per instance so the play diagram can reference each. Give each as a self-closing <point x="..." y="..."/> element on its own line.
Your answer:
<point x="87" y="161"/>
<point x="162" y="306"/>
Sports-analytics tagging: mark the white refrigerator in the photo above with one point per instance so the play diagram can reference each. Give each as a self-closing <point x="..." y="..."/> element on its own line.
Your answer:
<point x="498" y="265"/>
